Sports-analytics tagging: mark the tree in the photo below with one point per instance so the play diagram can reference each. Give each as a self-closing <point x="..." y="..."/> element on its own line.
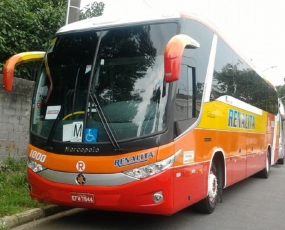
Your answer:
<point x="281" y="92"/>
<point x="92" y="10"/>
<point x="29" y="25"/>
<point x="245" y="85"/>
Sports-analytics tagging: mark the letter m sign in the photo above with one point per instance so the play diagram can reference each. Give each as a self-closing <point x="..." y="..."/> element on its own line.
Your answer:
<point x="77" y="132"/>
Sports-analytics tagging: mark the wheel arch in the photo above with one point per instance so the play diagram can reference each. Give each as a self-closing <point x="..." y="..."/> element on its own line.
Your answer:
<point x="218" y="157"/>
<point x="269" y="151"/>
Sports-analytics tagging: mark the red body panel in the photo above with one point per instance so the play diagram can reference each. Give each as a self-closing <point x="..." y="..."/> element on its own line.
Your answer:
<point x="180" y="186"/>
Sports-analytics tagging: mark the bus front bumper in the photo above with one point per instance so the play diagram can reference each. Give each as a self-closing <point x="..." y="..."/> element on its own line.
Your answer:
<point x="152" y="195"/>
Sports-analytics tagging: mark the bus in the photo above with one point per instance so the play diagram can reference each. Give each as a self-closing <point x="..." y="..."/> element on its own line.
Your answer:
<point x="147" y="114"/>
<point x="281" y="131"/>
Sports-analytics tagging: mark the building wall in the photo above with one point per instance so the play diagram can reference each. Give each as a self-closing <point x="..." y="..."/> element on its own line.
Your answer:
<point x="15" y="109"/>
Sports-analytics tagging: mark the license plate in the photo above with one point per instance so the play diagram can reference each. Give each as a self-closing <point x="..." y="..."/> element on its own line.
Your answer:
<point x="82" y="197"/>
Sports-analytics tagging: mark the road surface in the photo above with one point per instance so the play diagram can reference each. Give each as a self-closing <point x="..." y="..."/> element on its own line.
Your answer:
<point x="253" y="204"/>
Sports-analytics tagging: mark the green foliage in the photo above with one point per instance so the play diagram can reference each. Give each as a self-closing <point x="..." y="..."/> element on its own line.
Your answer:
<point x="281" y="92"/>
<point x="245" y="85"/>
<point x="27" y="70"/>
<point x="28" y="25"/>
<point x="92" y="10"/>
<point x="14" y="195"/>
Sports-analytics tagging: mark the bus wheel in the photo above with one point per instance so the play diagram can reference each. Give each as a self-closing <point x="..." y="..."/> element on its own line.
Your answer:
<point x="281" y="161"/>
<point x="208" y="204"/>
<point x="264" y="173"/>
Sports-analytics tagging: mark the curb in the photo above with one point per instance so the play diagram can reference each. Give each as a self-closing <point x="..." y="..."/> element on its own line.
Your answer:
<point x="30" y="215"/>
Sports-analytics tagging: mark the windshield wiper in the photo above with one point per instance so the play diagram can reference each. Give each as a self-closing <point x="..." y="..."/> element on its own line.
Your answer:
<point x="105" y="122"/>
<point x="59" y="116"/>
<point x="95" y="99"/>
<point x="61" y="112"/>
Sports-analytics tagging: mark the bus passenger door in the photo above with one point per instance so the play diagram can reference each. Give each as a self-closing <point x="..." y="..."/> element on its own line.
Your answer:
<point x="186" y="104"/>
<point x="186" y="112"/>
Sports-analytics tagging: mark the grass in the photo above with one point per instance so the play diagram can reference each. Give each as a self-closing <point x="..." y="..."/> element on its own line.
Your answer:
<point x="14" y="192"/>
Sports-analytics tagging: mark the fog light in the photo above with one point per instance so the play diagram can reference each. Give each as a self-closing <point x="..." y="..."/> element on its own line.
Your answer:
<point x="157" y="197"/>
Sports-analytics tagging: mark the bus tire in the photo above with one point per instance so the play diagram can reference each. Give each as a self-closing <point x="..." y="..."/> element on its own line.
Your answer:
<point x="264" y="173"/>
<point x="281" y="161"/>
<point x="208" y="204"/>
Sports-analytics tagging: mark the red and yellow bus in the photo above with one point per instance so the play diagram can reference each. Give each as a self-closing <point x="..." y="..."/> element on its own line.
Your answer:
<point x="147" y="115"/>
<point x="280" y="130"/>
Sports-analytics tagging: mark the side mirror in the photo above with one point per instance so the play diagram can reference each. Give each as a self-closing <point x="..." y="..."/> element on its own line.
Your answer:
<point x="173" y="55"/>
<point x="9" y="67"/>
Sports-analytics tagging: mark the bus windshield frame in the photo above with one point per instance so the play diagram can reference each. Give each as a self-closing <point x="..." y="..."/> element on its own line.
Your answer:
<point x="103" y="86"/>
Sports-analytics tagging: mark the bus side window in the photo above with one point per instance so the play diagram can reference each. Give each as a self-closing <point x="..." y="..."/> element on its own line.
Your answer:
<point x="186" y="108"/>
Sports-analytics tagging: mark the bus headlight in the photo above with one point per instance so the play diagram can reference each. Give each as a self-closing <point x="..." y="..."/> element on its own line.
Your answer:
<point x="36" y="167"/>
<point x="149" y="170"/>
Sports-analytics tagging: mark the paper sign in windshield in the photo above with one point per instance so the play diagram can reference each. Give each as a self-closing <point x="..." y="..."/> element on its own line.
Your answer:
<point x="88" y="68"/>
<point x="73" y="132"/>
<point x="52" y="112"/>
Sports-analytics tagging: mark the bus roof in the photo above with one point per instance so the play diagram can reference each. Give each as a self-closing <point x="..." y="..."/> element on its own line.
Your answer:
<point x="150" y="16"/>
<point x="111" y="21"/>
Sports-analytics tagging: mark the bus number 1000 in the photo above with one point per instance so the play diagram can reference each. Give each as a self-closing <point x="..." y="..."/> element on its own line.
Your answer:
<point x="38" y="156"/>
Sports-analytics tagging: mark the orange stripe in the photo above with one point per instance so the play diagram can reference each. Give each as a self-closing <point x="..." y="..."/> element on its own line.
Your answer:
<point x="93" y="164"/>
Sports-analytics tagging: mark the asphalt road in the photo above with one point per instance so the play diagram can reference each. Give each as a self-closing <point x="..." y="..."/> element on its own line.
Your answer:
<point x="253" y="204"/>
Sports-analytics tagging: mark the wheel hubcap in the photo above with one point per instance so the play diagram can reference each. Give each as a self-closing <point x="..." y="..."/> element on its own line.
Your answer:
<point x="212" y="187"/>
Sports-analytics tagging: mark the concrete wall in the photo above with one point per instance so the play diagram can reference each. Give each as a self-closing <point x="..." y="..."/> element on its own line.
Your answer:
<point x="15" y="109"/>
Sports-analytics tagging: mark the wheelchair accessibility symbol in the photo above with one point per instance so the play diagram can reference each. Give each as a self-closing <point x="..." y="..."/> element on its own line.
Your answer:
<point x="90" y="135"/>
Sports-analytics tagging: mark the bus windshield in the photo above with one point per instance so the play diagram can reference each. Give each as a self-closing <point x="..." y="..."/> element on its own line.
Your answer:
<point x="96" y="86"/>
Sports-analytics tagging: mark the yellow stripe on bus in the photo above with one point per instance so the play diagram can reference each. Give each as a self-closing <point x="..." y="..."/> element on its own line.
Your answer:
<point x="222" y="116"/>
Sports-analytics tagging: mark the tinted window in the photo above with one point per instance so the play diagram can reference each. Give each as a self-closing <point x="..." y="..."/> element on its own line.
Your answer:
<point x="200" y="56"/>
<point x="235" y="78"/>
<point x="190" y="86"/>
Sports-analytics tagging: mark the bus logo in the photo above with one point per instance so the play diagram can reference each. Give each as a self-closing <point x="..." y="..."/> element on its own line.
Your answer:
<point x="80" y="166"/>
<point x="80" y="179"/>
<point x="81" y="149"/>
<point x="237" y="119"/>
<point x="135" y="159"/>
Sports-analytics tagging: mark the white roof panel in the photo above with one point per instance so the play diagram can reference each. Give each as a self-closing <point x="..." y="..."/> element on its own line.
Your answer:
<point x="105" y="21"/>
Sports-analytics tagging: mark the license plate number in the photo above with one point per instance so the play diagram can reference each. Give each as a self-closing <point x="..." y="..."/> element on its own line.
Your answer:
<point x="82" y="197"/>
